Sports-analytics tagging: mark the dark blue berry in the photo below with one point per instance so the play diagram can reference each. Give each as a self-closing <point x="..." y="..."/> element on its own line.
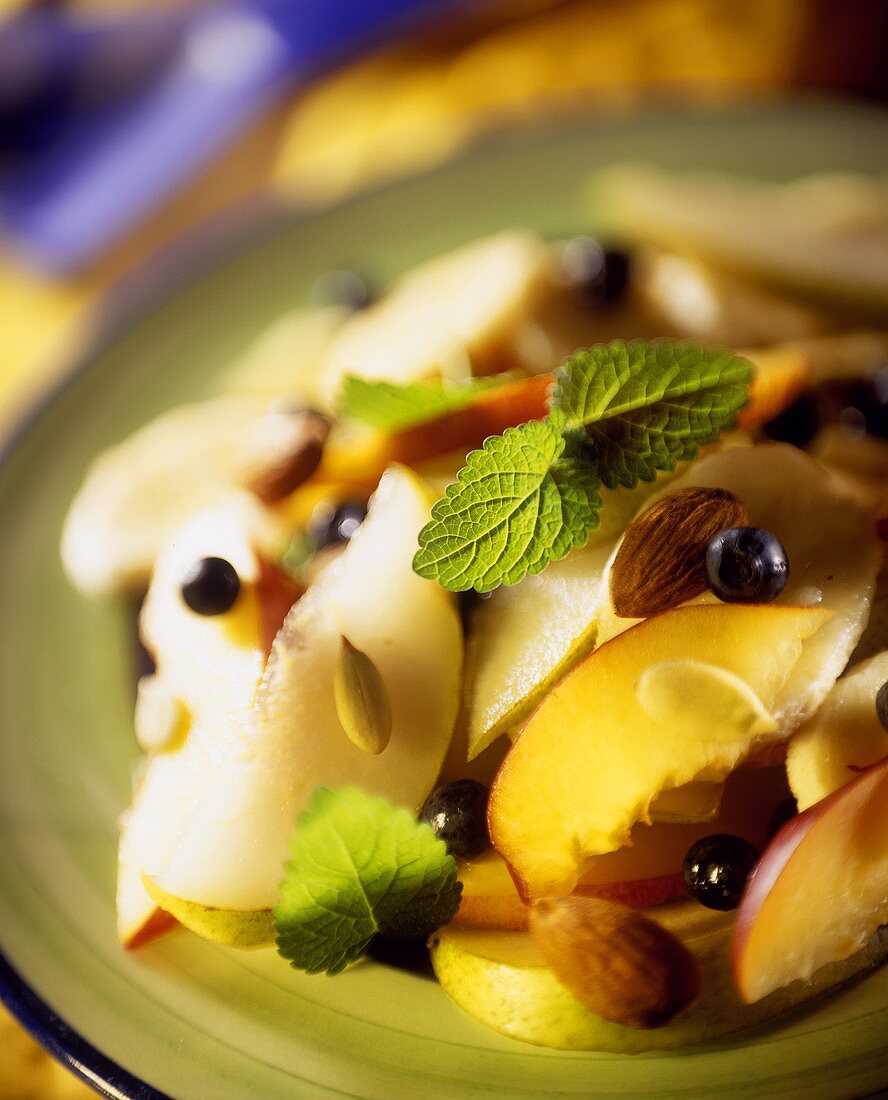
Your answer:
<point x="597" y="276"/>
<point x="716" y="869"/>
<point x="343" y="288"/>
<point x="746" y="565"/>
<point x="457" y="813"/>
<point x="211" y="586"/>
<point x="333" y="526"/>
<point x="882" y="704"/>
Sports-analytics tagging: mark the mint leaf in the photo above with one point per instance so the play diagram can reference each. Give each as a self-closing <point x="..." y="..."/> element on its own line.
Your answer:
<point x="390" y="407"/>
<point x="518" y="503"/>
<point x="643" y="407"/>
<point x="620" y="413"/>
<point x="359" y="866"/>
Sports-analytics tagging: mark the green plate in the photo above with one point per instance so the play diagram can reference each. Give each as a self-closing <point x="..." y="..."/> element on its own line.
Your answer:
<point x="190" y="1019"/>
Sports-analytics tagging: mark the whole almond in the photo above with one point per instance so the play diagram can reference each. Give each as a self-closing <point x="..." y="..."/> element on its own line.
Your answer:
<point x="661" y="561"/>
<point x="617" y="962"/>
<point x="307" y="431"/>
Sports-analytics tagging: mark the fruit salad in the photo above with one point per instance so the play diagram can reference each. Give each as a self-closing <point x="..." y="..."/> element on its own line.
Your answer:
<point x="532" y="607"/>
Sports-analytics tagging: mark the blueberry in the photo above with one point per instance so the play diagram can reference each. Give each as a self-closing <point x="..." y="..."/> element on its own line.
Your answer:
<point x="746" y="565"/>
<point x="716" y="869"/>
<point x="457" y="813"/>
<point x="598" y="276"/>
<point x="342" y="288"/>
<point x="882" y="704"/>
<point x="211" y="586"/>
<point x="332" y="525"/>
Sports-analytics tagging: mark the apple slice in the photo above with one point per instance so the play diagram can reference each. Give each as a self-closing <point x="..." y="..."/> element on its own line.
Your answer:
<point x="842" y="738"/>
<point x="819" y="892"/>
<point x="591" y="760"/>
<point x="502" y="980"/>
<point x="458" y="314"/>
<point x="137" y="494"/>
<point x="262" y="769"/>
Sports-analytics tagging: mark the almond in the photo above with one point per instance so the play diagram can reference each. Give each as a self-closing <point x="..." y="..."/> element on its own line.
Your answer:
<point x="305" y="432"/>
<point x="617" y="962"/>
<point x="661" y="561"/>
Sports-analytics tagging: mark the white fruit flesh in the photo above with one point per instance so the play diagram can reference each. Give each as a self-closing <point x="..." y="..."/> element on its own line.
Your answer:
<point x="826" y="235"/>
<point x="843" y="737"/>
<point x="819" y="892"/>
<point x="454" y="315"/>
<point x="209" y="667"/>
<point x="524" y="637"/>
<point x="231" y="849"/>
<point x="137" y="494"/>
<point x="833" y="555"/>
<point x="284" y="359"/>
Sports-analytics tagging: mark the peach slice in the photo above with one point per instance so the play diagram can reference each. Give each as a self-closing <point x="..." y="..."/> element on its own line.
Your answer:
<point x="590" y="760"/>
<point x="819" y="892"/>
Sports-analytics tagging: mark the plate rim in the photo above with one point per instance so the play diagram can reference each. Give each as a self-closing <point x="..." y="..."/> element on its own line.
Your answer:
<point x="66" y="1045"/>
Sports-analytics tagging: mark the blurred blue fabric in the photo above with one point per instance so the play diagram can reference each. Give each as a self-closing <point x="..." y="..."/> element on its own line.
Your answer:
<point x="100" y="122"/>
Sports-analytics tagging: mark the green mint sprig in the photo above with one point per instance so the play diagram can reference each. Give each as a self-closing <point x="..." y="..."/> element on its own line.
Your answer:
<point x="358" y="866"/>
<point x="390" y="407"/>
<point x="620" y="412"/>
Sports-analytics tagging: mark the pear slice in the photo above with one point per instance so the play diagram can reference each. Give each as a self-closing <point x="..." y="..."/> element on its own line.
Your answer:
<point x="716" y="306"/>
<point x="524" y="638"/>
<point x="285" y="357"/>
<point x="139" y="492"/>
<point x="231" y="927"/>
<point x="208" y="671"/>
<point x="822" y="235"/>
<point x="502" y="980"/>
<point x="458" y="314"/>
<point x="232" y="843"/>
<point x="833" y="553"/>
<point x="844" y="736"/>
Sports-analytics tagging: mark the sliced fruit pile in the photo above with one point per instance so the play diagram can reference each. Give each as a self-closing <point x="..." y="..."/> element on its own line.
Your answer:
<point x="658" y="764"/>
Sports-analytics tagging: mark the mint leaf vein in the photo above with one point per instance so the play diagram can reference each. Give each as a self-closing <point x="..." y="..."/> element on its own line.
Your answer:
<point x="517" y="504"/>
<point x="358" y="866"/>
<point x="620" y="413"/>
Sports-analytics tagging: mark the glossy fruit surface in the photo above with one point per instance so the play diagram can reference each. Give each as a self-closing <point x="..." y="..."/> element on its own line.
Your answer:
<point x="882" y="705"/>
<point x="746" y="565"/>
<point x="211" y="586"/>
<point x="457" y="814"/>
<point x="334" y="525"/>
<point x="716" y="869"/>
<point x="598" y="276"/>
